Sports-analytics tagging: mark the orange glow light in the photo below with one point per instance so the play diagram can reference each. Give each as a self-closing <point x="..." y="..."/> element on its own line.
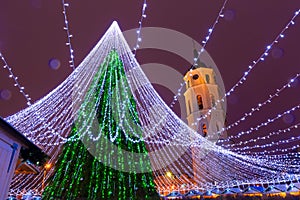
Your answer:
<point x="47" y="166"/>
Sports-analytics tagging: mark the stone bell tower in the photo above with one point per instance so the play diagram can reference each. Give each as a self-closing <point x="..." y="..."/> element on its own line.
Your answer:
<point x="202" y="95"/>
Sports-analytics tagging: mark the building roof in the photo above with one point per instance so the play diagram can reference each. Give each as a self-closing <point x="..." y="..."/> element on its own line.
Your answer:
<point x="198" y="63"/>
<point x="29" y="151"/>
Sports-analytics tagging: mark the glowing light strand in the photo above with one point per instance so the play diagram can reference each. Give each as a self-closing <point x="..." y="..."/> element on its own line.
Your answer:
<point x="285" y="151"/>
<point x="265" y="53"/>
<point x="138" y="32"/>
<point x="204" y="42"/>
<point x="163" y="126"/>
<point x="141" y="97"/>
<point x="266" y="145"/>
<point x="69" y="35"/>
<point x="72" y="56"/>
<point x="265" y="123"/>
<point x="262" y="57"/>
<point x="260" y="105"/>
<point x="15" y="79"/>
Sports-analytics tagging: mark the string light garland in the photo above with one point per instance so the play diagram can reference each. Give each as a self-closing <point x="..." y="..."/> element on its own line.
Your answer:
<point x="265" y="54"/>
<point x="260" y="105"/>
<point x="138" y="32"/>
<point x="15" y="79"/>
<point x="161" y="126"/>
<point x="261" y="58"/>
<point x="265" y="123"/>
<point x="69" y="35"/>
<point x="100" y="175"/>
<point x="285" y="151"/>
<point x="204" y="42"/>
<point x="65" y="5"/>
<point x="52" y="117"/>
<point x="267" y="137"/>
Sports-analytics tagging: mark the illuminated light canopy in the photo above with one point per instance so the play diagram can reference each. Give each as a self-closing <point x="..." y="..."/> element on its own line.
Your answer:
<point x="96" y="166"/>
<point x="48" y="123"/>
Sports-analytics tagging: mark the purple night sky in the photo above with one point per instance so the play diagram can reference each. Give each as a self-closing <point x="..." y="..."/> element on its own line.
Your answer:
<point x="32" y="40"/>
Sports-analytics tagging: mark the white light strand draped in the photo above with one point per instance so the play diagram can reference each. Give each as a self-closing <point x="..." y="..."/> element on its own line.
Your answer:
<point x="69" y="35"/>
<point x="204" y="42"/>
<point x="138" y="32"/>
<point x="254" y="63"/>
<point x="173" y="146"/>
<point x="15" y="79"/>
<point x="259" y="106"/>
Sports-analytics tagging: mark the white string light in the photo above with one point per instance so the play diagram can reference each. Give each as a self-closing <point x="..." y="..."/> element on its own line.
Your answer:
<point x="284" y="151"/>
<point x="267" y="137"/>
<point x="138" y="32"/>
<point x="261" y="58"/>
<point x="71" y="50"/>
<point x="15" y="79"/>
<point x="260" y="105"/>
<point x="52" y="117"/>
<point x="265" y="54"/>
<point x="69" y="35"/>
<point x="152" y="110"/>
<point x="204" y="42"/>
<point x="265" y="123"/>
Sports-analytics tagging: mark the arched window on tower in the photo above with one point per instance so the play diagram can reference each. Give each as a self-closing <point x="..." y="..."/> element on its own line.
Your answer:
<point x="199" y="101"/>
<point x="213" y="100"/>
<point x="204" y="130"/>
<point x="207" y="78"/>
<point x="189" y="105"/>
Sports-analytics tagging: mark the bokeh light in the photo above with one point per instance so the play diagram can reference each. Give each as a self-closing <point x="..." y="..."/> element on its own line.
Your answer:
<point x="54" y="63"/>
<point x="5" y="94"/>
<point x="229" y="15"/>
<point x="277" y="52"/>
<point x="288" y="118"/>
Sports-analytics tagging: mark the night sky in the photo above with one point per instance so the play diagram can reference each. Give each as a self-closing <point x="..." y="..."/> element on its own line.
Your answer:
<point x="31" y="34"/>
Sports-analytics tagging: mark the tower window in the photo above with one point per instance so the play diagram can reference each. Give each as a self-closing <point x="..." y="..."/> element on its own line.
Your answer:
<point x="207" y="78"/>
<point x="189" y="104"/>
<point x="204" y="130"/>
<point x="188" y="84"/>
<point x="199" y="101"/>
<point x="196" y="76"/>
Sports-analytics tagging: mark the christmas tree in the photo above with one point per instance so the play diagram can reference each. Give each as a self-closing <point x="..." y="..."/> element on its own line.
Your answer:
<point x="93" y="164"/>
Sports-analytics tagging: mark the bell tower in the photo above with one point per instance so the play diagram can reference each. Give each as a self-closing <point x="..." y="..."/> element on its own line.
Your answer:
<point x="202" y="96"/>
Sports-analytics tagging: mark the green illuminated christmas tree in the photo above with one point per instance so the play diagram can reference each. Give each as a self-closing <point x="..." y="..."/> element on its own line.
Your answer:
<point x="102" y="164"/>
